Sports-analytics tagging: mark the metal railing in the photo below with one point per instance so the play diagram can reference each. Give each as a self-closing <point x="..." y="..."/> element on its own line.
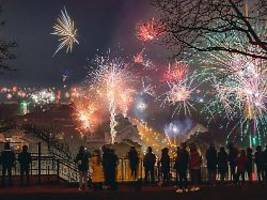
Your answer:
<point x="65" y="169"/>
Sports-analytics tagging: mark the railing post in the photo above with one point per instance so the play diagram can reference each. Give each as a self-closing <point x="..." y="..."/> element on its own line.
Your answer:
<point x="31" y="167"/>
<point x="141" y="167"/>
<point x="58" y="169"/>
<point x="122" y="174"/>
<point x="39" y="162"/>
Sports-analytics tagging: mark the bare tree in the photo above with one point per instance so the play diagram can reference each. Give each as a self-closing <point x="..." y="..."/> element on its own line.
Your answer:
<point x="189" y="23"/>
<point x="5" y="51"/>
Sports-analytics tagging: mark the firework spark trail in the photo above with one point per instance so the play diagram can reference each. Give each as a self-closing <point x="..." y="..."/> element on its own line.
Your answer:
<point x="224" y="95"/>
<point x="114" y="84"/>
<point x="113" y="123"/>
<point x="110" y="85"/>
<point x="66" y="31"/>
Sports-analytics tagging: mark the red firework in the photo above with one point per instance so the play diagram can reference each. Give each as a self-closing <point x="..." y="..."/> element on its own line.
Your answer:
<point x="139" y="57"/>
<point x="175" y="72"/>
<point x="149" y="30"/>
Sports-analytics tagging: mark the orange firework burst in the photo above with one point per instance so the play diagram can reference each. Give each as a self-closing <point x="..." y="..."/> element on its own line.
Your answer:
<point x="86" y="115"/>
<point x="75" y="93"/>
<point x="149" y="30"/>
<point x="139" y="57"/>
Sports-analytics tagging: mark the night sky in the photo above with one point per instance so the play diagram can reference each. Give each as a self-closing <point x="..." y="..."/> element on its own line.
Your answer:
<point x="102" y="24"/>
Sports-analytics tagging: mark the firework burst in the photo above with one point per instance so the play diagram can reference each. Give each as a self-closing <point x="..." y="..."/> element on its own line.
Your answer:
<point x="175" y="72"/>
<point x="181" y="88"/>
<point x="85" y="114"/>
<point x="180" y="96"/>
<point x="141" y="59"/>
<point x="113" y="84"/>
<point x="148" y="89"/>
<point x="149" y="30"/>
<point x="239" y="89"/>
<point x="66" y="31"/>
<point x="242" y="87"/>
<point x="42" y="97"/>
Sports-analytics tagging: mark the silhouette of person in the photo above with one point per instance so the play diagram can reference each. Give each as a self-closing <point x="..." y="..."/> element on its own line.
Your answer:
<point x="25" y="160"/>
<point x="249" y="166"/>
<point x="105" y="164"/>
<point x="8" y="161"/>
<point x="176" y="164"/>
<point x="222" y="163"/>
<point x="241" y="163"/>
<point x="211" y="157"/>
<point x="149" y="165"/>
<point x="98" y="172"/>
<point x="232" y="157"/>
<point x="82" y="159"/>
<point x="195" y="162"/>
<point x="181" y="166"/>
<point x="133" y="161"/>
<point x="259" y="161"/>
<point x="113" y="162"/>
<point x="165" y="165"/>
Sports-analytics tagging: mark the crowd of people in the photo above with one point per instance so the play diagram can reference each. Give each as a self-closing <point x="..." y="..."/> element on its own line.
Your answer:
<point x="241" y="163"/>
<point x="8" y="159"/>
<point x="100" y="166"/>
<point x="230" y="162"/>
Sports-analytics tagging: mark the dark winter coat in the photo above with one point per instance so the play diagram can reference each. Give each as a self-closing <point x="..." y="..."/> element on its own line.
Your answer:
<point x="25" y="159"/>
<point x="165" y="163"/>
<point x="222" y="162"/>
<point x="83" y="161"/>
<point x="133" y="159"/>
<point x="259" y="160"/>
<point x="149" y="160"/>
<point x="7" y="158"/>
<point x="181" y="161"/>
<point x="211" y="156"/>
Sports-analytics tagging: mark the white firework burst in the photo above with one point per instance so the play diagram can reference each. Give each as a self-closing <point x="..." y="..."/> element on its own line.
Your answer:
<point x="180" y="95"/>
<point x="148" y="89"/>
<point x="115" y="85"/>
<point x="66" y="31"/>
